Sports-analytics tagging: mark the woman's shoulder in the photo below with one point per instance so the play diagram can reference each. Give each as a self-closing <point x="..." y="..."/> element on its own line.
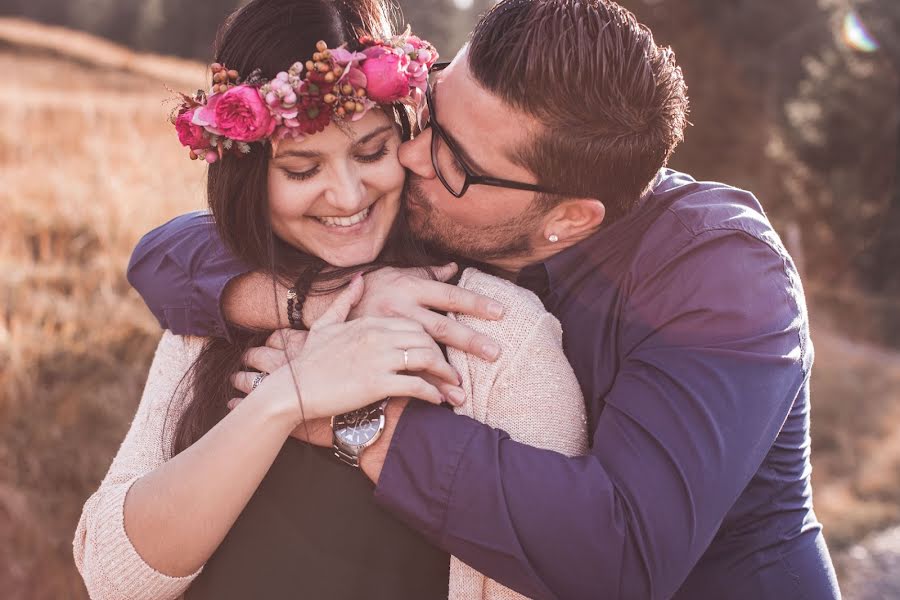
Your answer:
<point x="523" y="310"/>
<point x="178" y="349"/>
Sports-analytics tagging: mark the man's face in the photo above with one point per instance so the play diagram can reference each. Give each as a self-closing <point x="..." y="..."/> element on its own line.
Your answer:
<point x="492" y="224"/>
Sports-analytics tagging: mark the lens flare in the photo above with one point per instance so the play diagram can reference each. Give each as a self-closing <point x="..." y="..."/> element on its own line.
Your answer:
<point x="855" y="34"/>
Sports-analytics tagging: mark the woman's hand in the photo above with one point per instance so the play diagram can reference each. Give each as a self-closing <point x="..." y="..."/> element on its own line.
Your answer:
<point x="410" y="293"/>
<point x="342" y="366"/>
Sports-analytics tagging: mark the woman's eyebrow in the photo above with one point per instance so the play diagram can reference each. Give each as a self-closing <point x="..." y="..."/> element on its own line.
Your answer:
<point x="298" y="154"/>
<point x="369" y="136"/>
<point x="313" y="154"/>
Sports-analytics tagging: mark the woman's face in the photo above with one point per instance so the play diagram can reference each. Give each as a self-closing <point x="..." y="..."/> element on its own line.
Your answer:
<point x="335" y="194"/>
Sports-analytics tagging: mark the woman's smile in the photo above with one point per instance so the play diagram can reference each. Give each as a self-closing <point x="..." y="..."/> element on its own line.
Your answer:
<point x="353" y="224"/>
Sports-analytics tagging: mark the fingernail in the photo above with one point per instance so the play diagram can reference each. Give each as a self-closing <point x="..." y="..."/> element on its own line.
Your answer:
<point x="495" y="310"/>
<point x="458" y="377"/>
<point x="490" y="351"/>
<point x="457" y="397"/>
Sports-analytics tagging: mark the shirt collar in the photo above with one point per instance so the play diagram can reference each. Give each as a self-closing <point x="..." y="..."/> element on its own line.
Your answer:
<point x="543" y="277"/>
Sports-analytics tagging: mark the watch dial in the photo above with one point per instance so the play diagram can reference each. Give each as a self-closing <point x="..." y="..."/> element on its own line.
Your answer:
<point x="359" y="426"/>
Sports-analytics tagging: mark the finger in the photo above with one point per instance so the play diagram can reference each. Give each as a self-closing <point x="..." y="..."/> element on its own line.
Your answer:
<point x="282" y="338"/>
<point x="452" y="298"/>
<point x="340" y="308"/>
<point x="264" y="359"/>
<point x="233" y="403"/>
<point x="456" y="335"/>
<point x="451" y="393"/>
<point x="414" y="387"/>
<point x="428" y="361"/>
<point x="387" y="342"/>
<point x="394" y="323"/>
<point x="446" y="272"/>
<point x="243" y="381"/>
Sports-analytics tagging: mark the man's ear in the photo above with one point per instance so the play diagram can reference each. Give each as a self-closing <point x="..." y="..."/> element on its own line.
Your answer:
<point x="574" y="219"/>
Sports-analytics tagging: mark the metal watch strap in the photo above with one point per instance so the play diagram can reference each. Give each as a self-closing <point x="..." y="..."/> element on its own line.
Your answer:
<point x="347" y="459"/>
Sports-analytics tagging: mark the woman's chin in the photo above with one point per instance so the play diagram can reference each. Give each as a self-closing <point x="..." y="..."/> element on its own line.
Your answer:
<point x="350" y="256"/>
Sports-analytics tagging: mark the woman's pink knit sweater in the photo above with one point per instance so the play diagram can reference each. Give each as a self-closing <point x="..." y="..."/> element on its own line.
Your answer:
<point x="530" y="392"/>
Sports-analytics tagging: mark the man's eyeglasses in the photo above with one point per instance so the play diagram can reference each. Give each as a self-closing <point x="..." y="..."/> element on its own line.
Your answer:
<point x="453" y="171"/>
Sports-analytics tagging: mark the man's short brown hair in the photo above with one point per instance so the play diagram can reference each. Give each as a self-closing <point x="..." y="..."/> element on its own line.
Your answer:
<point x="613" y="104"/>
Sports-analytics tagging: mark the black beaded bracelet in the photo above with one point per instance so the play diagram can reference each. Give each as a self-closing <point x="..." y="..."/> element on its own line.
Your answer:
<point x="294" y="319"/>
<point x="297" y="295"/>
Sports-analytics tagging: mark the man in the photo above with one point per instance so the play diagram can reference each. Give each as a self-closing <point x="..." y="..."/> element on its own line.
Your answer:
<point x="684" y="321"/>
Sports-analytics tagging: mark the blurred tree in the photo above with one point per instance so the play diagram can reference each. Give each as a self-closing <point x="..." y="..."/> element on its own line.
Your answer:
<point x="741" y="60"/>
<point x="845" y="127"/>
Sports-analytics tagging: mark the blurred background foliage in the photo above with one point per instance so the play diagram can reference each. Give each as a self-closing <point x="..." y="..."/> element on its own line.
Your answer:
<point x="795" y="100"/>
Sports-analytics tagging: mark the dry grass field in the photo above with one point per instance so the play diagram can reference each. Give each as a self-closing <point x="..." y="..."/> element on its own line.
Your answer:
<point x="88" y="163"/>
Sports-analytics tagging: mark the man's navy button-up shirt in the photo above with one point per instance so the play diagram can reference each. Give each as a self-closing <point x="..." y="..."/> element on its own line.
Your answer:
<point x="686" y="325"/>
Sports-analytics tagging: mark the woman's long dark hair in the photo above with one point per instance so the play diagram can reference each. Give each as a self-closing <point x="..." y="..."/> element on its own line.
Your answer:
<point x="271" y="35"/>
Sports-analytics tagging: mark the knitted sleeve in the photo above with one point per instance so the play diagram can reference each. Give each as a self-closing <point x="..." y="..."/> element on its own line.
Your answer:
<point x="531" y="393"/>
<point x="108" y="562"/>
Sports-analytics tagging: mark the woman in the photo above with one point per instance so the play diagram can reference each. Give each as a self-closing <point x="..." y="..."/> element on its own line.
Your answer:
<point x="227" y="504"/>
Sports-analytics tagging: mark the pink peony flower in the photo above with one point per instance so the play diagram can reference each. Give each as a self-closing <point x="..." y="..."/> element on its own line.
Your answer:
<point x="242" y="115"/>
<point x="205" y="116"/>
<point x="190" y="135"/>
<point x="386" y="76"/>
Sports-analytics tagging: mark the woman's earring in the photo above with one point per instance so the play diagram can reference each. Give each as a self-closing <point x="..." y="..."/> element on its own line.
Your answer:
<point x="553" y="238"/>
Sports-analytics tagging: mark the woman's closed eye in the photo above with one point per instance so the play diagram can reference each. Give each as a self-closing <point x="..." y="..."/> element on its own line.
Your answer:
<point x="308" y="174"/>
<point x="375" y="156"/>
<point x="363" y="158"/>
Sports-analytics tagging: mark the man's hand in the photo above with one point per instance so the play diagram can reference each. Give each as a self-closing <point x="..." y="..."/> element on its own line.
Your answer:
<point x="412" y="294"/>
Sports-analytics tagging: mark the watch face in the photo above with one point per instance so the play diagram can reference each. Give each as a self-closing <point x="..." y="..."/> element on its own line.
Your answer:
<point x="358" y="427"/>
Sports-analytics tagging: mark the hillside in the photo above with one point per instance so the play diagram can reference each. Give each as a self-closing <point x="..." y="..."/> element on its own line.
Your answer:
<point x="89" y="163"/>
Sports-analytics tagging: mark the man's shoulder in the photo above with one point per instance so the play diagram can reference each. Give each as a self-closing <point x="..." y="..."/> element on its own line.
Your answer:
<point x="701" y="206"/>
<point x="696" y="211"/>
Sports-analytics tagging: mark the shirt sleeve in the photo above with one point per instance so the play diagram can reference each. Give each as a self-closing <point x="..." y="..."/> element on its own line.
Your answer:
<point x="180" y="269"/>
<point x="712" y="359"/>
<point x="108" y="562"/>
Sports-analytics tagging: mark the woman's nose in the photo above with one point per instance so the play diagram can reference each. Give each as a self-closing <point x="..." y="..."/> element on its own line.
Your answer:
<point x="347" y="193"/>
<point x="415" y="155"/>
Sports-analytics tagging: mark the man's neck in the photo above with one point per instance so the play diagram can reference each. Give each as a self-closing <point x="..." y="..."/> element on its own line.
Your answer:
<point x="509" y="268"/>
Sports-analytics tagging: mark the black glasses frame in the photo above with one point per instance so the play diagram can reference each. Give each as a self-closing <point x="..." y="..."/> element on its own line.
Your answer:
<point x="439" y="135"/>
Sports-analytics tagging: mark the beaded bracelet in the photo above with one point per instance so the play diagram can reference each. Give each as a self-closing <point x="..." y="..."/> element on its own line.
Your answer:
<point x="298" y="293"/>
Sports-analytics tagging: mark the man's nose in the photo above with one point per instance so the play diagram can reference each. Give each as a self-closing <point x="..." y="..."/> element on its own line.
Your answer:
<point x="415" y="155"/>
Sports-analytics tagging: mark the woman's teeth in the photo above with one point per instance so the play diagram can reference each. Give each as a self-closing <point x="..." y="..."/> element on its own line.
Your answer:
<point x="345" y="221"/>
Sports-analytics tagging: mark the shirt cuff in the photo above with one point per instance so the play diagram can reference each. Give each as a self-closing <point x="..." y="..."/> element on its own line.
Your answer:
<point x="417" y="478"/>
<point x="214" y="290"/>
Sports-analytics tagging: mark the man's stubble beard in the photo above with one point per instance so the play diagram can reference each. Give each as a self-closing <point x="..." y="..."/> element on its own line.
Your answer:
<point x="508" y="239"/>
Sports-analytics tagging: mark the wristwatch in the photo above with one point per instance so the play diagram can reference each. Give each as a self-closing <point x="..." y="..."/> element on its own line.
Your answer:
<point x="355" y="431"/>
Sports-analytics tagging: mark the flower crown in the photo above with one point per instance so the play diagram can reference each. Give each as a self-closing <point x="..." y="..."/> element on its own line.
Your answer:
<point x="335" y="84"/>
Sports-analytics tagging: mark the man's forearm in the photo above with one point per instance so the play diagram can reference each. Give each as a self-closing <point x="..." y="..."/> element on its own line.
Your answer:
<point x="256" y="301"/>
